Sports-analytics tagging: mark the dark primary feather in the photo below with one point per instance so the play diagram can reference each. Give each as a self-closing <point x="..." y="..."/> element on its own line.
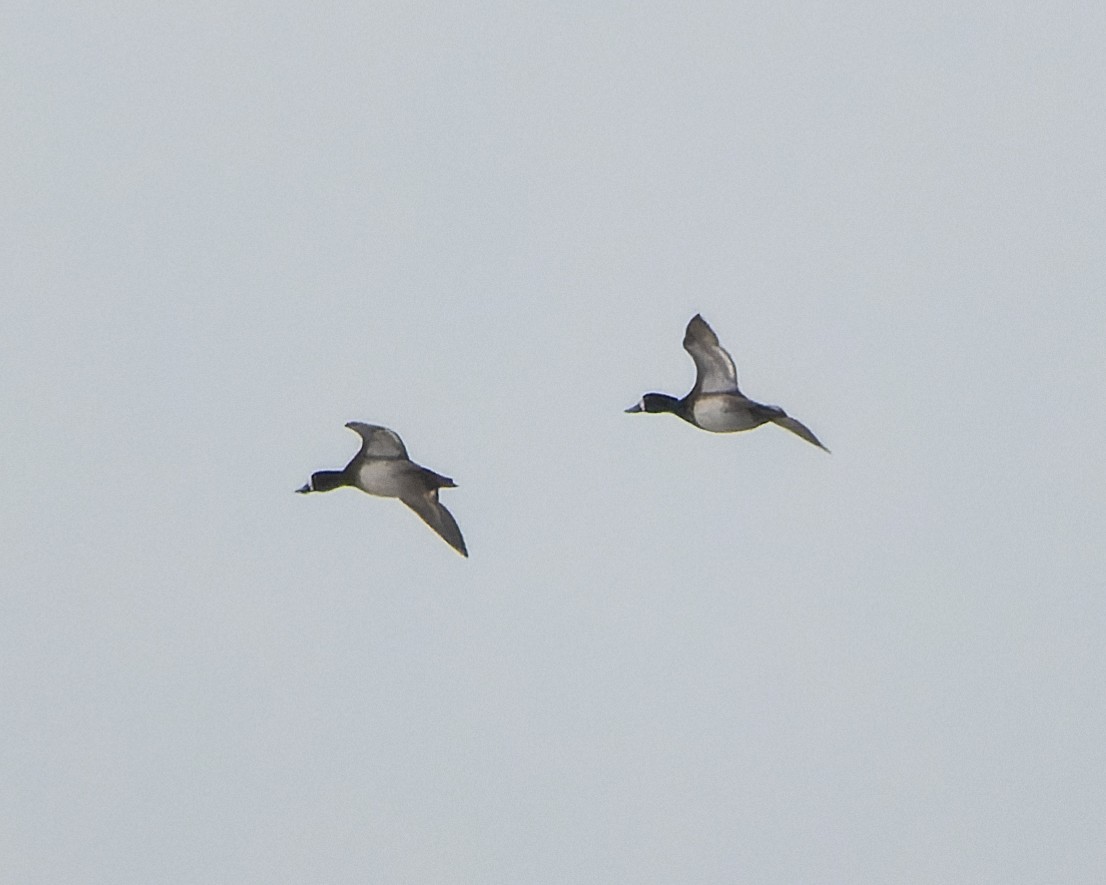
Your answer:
<point x="799" y="429"/>
<point x="377" y="441"/>
<point x="714" y="367"/>
<point x="434" y="514"/>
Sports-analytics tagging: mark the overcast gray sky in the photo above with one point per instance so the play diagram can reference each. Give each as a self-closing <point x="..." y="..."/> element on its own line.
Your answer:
<point x="673" y="657"/>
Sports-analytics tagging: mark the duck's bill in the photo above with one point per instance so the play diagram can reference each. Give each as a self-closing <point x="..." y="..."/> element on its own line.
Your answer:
<point x="636" y="407"/>
<point x="303" y="490"/>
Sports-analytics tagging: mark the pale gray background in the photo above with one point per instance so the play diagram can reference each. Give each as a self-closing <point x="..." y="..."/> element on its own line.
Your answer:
<point x="673" y="657"/>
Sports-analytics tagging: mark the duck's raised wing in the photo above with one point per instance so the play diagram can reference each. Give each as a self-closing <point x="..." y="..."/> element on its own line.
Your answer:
<point x="377" y="441"/>
<point x="714" y="368"/>
<point x="434" y="514"/>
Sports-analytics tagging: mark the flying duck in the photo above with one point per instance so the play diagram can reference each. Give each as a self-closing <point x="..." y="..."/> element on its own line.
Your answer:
<point x="382" y="468"/>
<point x="715" y="403"/>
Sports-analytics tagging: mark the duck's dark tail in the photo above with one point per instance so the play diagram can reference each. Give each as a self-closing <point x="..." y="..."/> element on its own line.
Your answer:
<point x="437" y="481"/>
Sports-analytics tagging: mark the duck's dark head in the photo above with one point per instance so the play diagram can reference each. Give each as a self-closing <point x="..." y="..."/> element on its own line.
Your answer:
<point x="323" y="481"/>
<point x="656" y="402"/>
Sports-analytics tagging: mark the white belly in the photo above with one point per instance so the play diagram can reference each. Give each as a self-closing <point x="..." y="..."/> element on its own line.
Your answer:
<point x="723" y="415"/>
<point x="385" y="478"/>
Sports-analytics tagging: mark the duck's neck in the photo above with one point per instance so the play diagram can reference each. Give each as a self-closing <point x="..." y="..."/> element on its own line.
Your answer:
<point x="679" y="407"/>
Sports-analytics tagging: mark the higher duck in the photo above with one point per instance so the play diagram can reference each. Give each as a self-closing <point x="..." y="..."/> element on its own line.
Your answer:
<point x="715" y="403"/>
